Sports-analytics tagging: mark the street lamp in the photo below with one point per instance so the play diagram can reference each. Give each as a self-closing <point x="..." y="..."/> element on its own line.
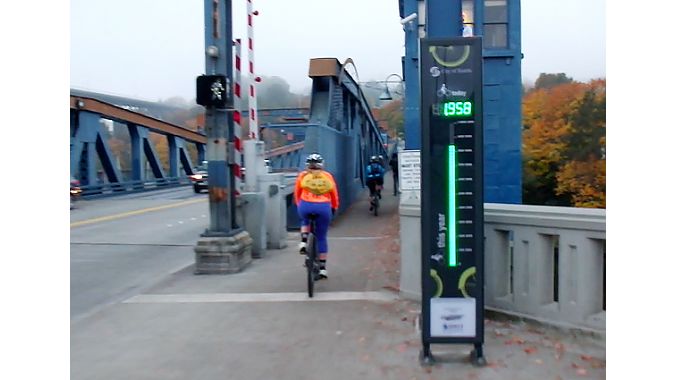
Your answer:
<point x="386" y="95"/>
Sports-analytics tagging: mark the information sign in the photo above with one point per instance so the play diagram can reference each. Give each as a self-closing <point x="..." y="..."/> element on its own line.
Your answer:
<point x="409" y="170"/>
<point x="452" y="193"/>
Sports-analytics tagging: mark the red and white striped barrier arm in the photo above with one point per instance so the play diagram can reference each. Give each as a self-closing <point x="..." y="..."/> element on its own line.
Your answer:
<point x="253" y="116"/>
<point x="237" y="117"/>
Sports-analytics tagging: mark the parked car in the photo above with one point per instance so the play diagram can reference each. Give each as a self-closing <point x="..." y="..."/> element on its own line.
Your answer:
<point x="75" y="191"/>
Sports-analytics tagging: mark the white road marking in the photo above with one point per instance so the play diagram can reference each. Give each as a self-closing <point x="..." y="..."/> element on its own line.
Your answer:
<point x="193" y="218"/>
<point x="169" y="225"/>
<point x="180" y="222"/>
<point x="261" y="297"/>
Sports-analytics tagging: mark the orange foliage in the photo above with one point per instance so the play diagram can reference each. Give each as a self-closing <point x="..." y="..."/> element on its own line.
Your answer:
<point x="544" y="116"/>
<point x="586" y="181"/>
<point x="563" y="144"/>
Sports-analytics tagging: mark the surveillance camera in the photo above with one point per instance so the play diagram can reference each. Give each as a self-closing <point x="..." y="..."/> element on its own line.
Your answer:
<point x="409" y="18"/>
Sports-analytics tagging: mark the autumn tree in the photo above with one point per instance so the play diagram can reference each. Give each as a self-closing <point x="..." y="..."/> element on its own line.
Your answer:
<point x="545" y="80"/>
<point x="544" y="119"/>
<point x="393" y="115"/>
<point x="583" y="176"/>
<point x="563" y="145"/>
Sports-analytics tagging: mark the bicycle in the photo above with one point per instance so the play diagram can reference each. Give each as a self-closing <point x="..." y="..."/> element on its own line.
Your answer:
<point x="311" y="258"/>
<point x="375" y="201"/>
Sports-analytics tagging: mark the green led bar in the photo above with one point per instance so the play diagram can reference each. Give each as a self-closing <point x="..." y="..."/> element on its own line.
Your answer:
<point x="450" y="226"/>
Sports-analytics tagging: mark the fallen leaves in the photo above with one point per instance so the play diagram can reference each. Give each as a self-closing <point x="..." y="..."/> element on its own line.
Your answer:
<point x="497" y="364"/>
<point x="581" y="371"/>
<point x="515" y="340"/>
<point x="560" y="350"/>
<point x="530" y="350"/>
<point x="598" y="363"/>
<point x="535" y="331"/>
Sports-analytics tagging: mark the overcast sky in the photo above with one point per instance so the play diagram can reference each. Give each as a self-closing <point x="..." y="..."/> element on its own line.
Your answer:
<point x="154" y="49"/>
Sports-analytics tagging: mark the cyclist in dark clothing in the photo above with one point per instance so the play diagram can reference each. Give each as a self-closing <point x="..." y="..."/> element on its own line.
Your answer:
<point x="394" y="164"/>
<point x="375" y="172"/>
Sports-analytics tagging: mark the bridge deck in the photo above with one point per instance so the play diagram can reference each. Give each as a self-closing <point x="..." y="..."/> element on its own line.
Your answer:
<point x="259" y="323"/>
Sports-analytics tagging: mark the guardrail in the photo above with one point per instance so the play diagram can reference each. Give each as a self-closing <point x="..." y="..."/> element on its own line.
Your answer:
<point x="286" y="149"/>
<point x="543" y="263"/>
<point x="107" y="189"/>
<point x="286" y="157"/>
<point x="547" y="263"/>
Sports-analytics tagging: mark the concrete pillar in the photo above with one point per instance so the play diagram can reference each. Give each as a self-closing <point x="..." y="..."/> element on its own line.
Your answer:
<point x="249" y="164"/>
<point x="254" y="163"/>
<point x="410" y="283"/>
<point x="254" y="216"/>
<point x="271" y="186"/>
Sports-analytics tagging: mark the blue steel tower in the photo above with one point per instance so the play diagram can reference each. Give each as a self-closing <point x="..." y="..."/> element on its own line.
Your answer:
<point x="498" y="22"/>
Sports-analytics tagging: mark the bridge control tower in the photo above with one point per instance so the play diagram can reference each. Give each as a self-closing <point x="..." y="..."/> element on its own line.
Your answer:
<point x="498" y="22"/>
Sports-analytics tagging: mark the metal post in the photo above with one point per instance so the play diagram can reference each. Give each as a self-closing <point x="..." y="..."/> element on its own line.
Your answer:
<point x="224" y="247"/>
<point x="217" y="38"/>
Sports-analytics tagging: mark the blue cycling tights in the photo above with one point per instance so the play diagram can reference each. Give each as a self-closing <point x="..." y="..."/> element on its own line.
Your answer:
<point x="323" y="211"/>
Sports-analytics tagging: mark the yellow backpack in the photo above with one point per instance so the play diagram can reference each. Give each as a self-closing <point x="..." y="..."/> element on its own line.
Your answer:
<point x="316" y="182"/>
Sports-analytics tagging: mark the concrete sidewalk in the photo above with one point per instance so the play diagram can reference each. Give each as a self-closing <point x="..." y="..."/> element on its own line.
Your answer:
<point x="259" y="323"/>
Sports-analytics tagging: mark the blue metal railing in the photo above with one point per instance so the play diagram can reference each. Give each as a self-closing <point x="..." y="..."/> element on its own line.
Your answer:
<point x="117" y="188"/>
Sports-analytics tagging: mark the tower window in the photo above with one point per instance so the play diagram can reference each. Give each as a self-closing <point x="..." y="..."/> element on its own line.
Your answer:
<point x="495" y="24"/>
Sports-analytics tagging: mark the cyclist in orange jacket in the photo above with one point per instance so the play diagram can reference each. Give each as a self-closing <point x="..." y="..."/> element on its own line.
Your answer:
<point x="316" y="193"/>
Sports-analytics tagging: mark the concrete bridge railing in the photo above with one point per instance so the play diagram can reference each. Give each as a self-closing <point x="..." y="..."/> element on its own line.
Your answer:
<point x="543" y="263"/>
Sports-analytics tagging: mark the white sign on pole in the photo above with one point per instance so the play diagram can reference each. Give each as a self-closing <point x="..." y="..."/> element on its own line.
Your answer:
<point x="453" y="317"/>
<point x="409" y="170"/>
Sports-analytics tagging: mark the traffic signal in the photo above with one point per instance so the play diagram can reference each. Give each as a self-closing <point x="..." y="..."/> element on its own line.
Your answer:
<point x="213" y="91"/>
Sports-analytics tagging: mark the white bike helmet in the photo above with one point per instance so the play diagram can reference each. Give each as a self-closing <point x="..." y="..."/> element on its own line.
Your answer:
<point x="314" y="161"/>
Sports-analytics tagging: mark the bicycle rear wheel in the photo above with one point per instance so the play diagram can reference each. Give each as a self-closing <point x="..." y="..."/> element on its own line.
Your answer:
<point x="310" y="260"/>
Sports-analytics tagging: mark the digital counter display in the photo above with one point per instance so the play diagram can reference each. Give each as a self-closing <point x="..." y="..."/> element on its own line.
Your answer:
<point x="456" y="109"/>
